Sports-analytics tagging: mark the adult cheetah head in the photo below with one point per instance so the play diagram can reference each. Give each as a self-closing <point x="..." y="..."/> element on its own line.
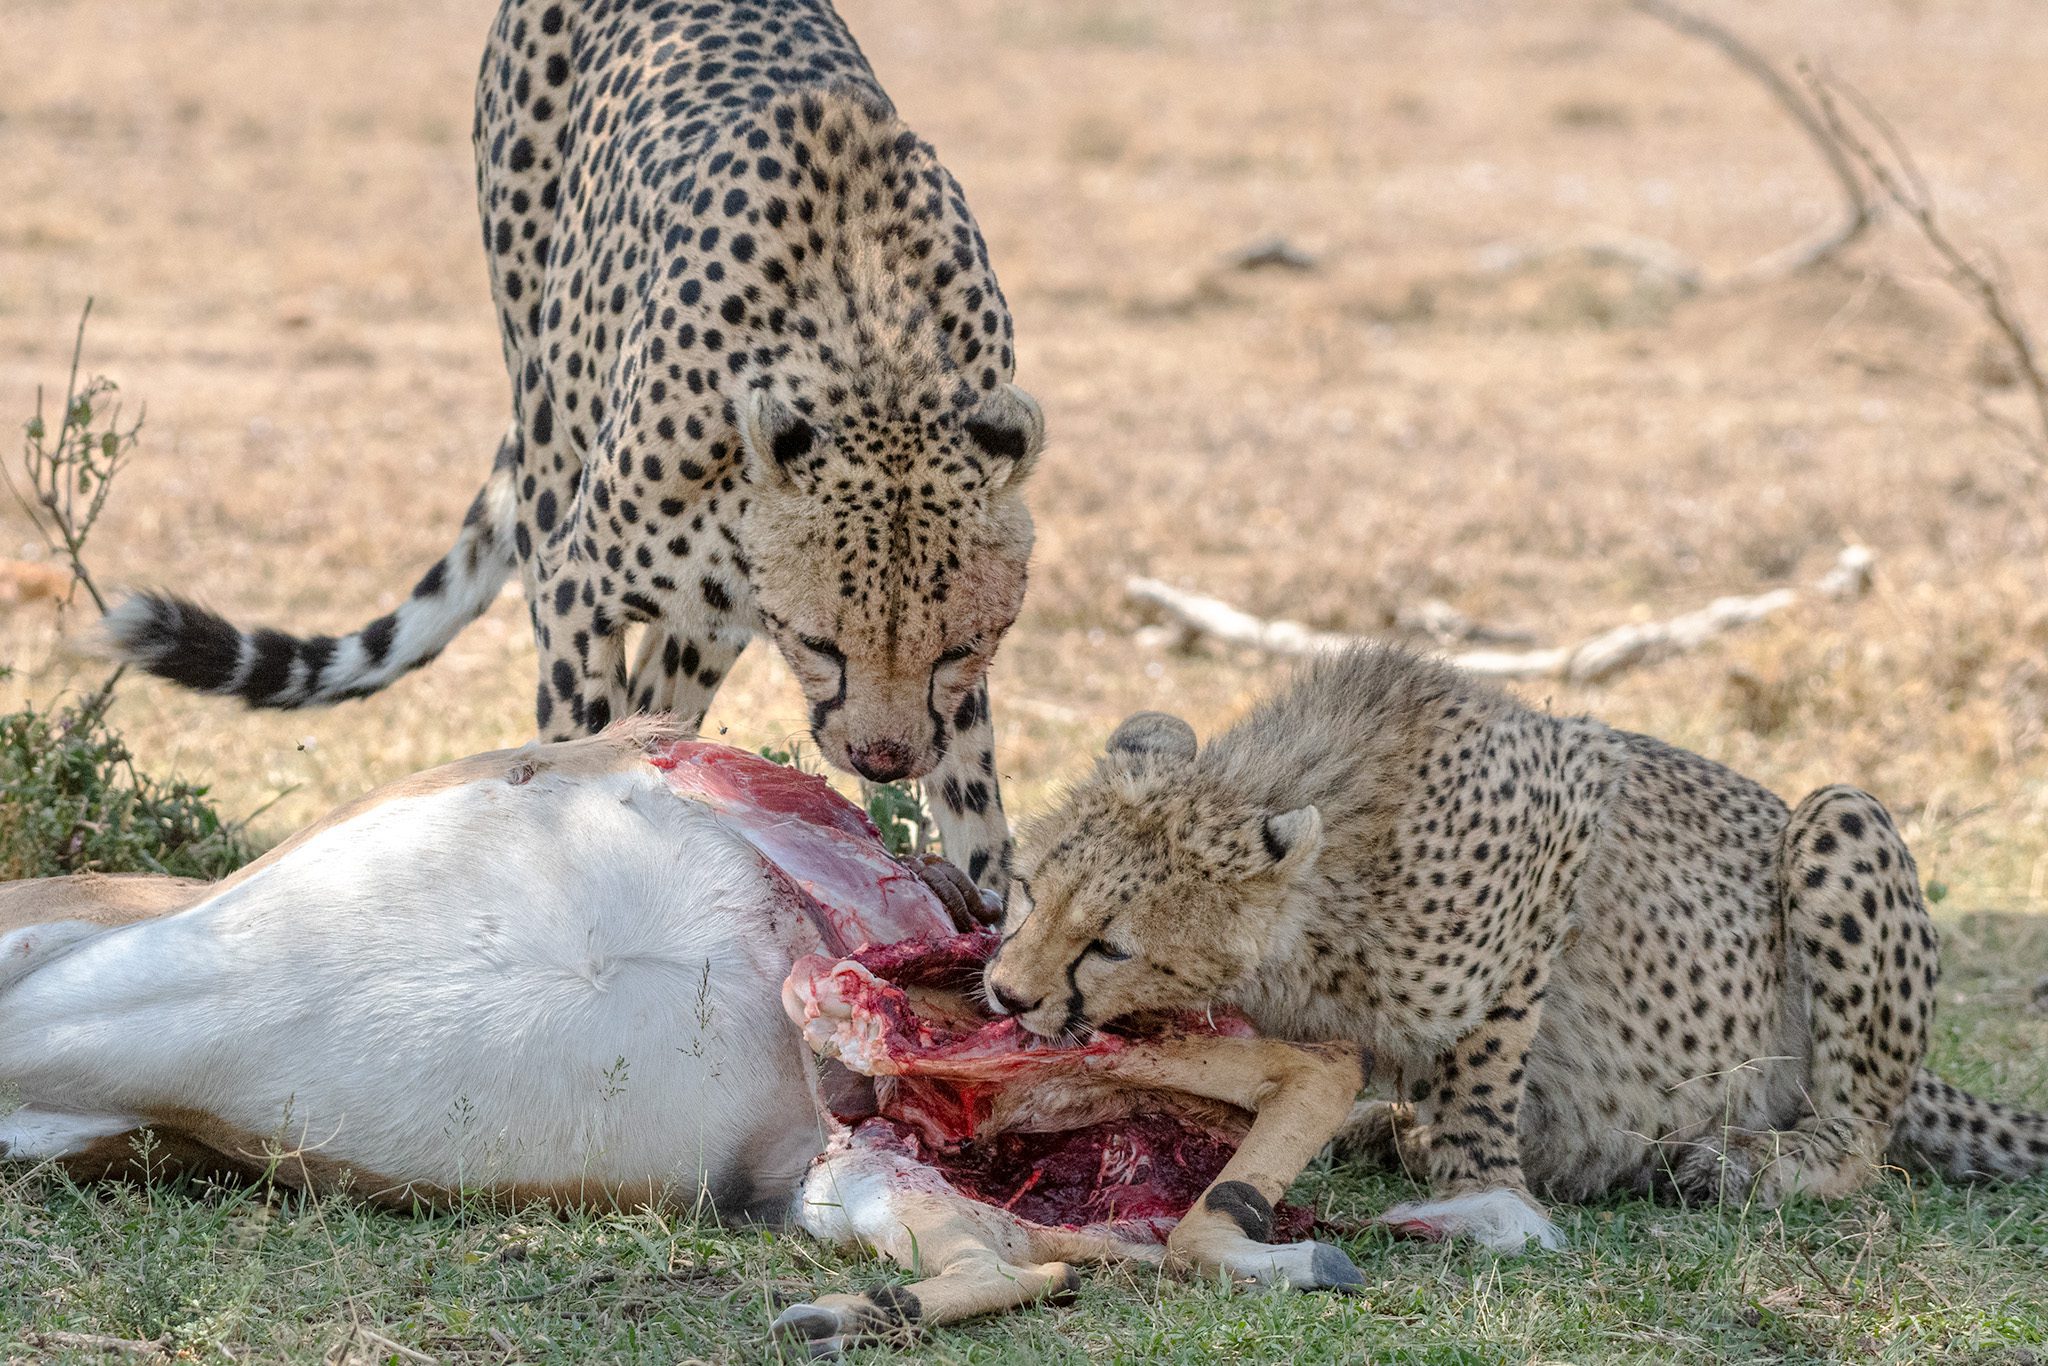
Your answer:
<point x="887" y="550"/>
<point x="1152" y="887"/>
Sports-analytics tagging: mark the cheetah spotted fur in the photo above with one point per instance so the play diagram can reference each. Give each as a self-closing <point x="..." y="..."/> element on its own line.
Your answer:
<point x="1589" y="960"/>
<point x="761" y="380"/>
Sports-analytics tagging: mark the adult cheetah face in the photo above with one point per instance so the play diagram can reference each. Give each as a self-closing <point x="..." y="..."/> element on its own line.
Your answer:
<point x="887" y="552"/>
<point x="1152" y="888"/>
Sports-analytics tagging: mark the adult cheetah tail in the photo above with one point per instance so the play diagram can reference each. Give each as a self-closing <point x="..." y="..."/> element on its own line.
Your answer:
<point x="198" y="649"/>
<point x="1960" y="1136"/>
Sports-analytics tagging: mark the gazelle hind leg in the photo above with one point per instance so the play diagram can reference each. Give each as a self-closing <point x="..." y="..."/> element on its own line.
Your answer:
<point x="974" y="1258"/>
<point x="32" y="1134"/>
<point x="24" y="950"/>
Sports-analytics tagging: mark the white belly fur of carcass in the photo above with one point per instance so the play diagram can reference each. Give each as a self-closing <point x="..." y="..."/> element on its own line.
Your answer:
<point x="556" y="1021"/>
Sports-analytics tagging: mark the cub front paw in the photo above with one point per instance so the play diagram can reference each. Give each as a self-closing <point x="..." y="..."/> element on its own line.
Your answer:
<point x="1499" y="1220"/>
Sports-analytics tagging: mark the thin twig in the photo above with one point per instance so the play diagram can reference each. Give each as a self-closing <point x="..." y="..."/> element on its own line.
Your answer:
<point x="1857" y="211"/>
<point x="70" y="471"/>
<point x="1898" y="177"/>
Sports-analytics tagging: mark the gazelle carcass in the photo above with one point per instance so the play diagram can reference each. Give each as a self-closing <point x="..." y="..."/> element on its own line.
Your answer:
<point x="584" y="973"/>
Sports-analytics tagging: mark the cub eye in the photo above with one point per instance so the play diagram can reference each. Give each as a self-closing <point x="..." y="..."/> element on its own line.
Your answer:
<point x="819" y="646"/>
<point x="1107" y="953"/>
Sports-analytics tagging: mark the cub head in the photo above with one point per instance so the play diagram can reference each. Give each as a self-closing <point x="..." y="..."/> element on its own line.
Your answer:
<point x="1153" y="887"/>
<point x="887" y="545"/>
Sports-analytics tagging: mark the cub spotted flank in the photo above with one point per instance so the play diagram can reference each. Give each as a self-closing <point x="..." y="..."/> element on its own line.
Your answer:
<point x="1592" y="961"/>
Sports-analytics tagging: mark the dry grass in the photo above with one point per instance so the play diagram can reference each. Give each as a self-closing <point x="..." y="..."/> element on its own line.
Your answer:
<point x="273" y="205"/>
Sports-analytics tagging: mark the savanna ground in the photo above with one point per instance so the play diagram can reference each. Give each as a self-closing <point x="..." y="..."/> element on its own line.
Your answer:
<point x="272" y="204"/>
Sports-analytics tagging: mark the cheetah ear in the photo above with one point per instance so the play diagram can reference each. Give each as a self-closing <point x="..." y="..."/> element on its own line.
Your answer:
<point x="1293" y="838"/>
<point x="776" y="438"/>
<point x="1154" y="732"/>
<point x="1010" y="429"/>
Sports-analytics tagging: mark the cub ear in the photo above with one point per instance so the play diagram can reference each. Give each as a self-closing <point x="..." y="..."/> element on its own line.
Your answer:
<point x="776" y="439"/>
<point x="1008" y="428"/>
<point x="1154" y="732"/>
<point x="1293" y="838"/>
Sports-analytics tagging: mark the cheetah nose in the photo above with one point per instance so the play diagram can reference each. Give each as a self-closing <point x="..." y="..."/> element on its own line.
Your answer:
<point x="884" y="761"/>
<point x="1006" y="1004"/>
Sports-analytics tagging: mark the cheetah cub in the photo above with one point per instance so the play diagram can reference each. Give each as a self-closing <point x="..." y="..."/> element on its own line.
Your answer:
<point x="1591" y="961"/>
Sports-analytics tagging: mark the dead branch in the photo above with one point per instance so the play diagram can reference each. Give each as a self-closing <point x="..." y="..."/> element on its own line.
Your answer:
<point x="1857" y="211"/>
<point x="1897" y="176"/>
<point x="1653" y="262"/>
<point x="1194" y="617"/>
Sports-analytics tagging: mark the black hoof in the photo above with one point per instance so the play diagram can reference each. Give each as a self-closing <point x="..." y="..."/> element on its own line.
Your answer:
<point x="1333" y="1271"/>
<point x="809" y="1328"/>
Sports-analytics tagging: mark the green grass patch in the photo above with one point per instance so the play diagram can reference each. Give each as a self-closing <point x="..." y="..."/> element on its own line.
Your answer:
<point x="75" y="803"/>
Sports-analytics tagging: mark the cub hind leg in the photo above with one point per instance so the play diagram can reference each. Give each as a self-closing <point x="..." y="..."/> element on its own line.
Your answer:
<point x="1861" y="947"/>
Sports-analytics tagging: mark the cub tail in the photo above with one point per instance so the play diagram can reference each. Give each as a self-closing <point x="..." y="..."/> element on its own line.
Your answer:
<point x="1948" y="1129"/>
<point x="198" y="649"/>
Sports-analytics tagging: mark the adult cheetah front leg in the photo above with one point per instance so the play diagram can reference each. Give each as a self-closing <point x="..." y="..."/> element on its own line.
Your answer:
<point x="582" y="646"/>
<point x="1861" y="948"/>
<point x="1470" y="1134"/>
<point x="677" y="669"/>
<point x="967" y="799"/>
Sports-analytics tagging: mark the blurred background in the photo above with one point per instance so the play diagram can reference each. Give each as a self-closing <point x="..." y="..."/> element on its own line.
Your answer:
<point x="1337" y="309"/>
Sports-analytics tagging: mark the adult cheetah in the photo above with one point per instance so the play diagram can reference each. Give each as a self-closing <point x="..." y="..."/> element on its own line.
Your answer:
<point x="761" y="378"/>
<point x="1591" y="961"/>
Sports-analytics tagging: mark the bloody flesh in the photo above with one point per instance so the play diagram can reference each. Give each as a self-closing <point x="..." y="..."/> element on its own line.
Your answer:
<point x="894" y="996"/>
<point x="903" y="1014"/>
<point x="820" y="845"/>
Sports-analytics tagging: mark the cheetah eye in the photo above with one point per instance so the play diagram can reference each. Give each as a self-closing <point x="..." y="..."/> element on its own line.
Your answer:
<point x="955" y="655"/>
<point x="1107" y="953"/>
<point x="821" y="647"/>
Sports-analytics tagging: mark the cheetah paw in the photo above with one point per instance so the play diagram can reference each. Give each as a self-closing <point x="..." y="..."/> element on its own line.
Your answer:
<point x="1499" y="1220"/>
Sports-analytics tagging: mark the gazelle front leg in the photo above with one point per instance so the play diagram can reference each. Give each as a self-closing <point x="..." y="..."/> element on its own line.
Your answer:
<point x="966" y="798"/>
<point x="974" y="1258"/>
<point x="1300" y="1096"/>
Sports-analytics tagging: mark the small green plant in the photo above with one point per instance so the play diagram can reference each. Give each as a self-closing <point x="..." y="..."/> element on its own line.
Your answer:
<point x="792" y="756"/>
<point x="70" y="471"/>
<point x="897" y="809"/>
<point x="76" y="804"/>
<point x="71" y="798"/>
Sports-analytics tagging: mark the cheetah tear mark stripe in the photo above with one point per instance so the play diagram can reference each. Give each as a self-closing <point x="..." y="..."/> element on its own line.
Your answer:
<point x="198" y="649"/>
